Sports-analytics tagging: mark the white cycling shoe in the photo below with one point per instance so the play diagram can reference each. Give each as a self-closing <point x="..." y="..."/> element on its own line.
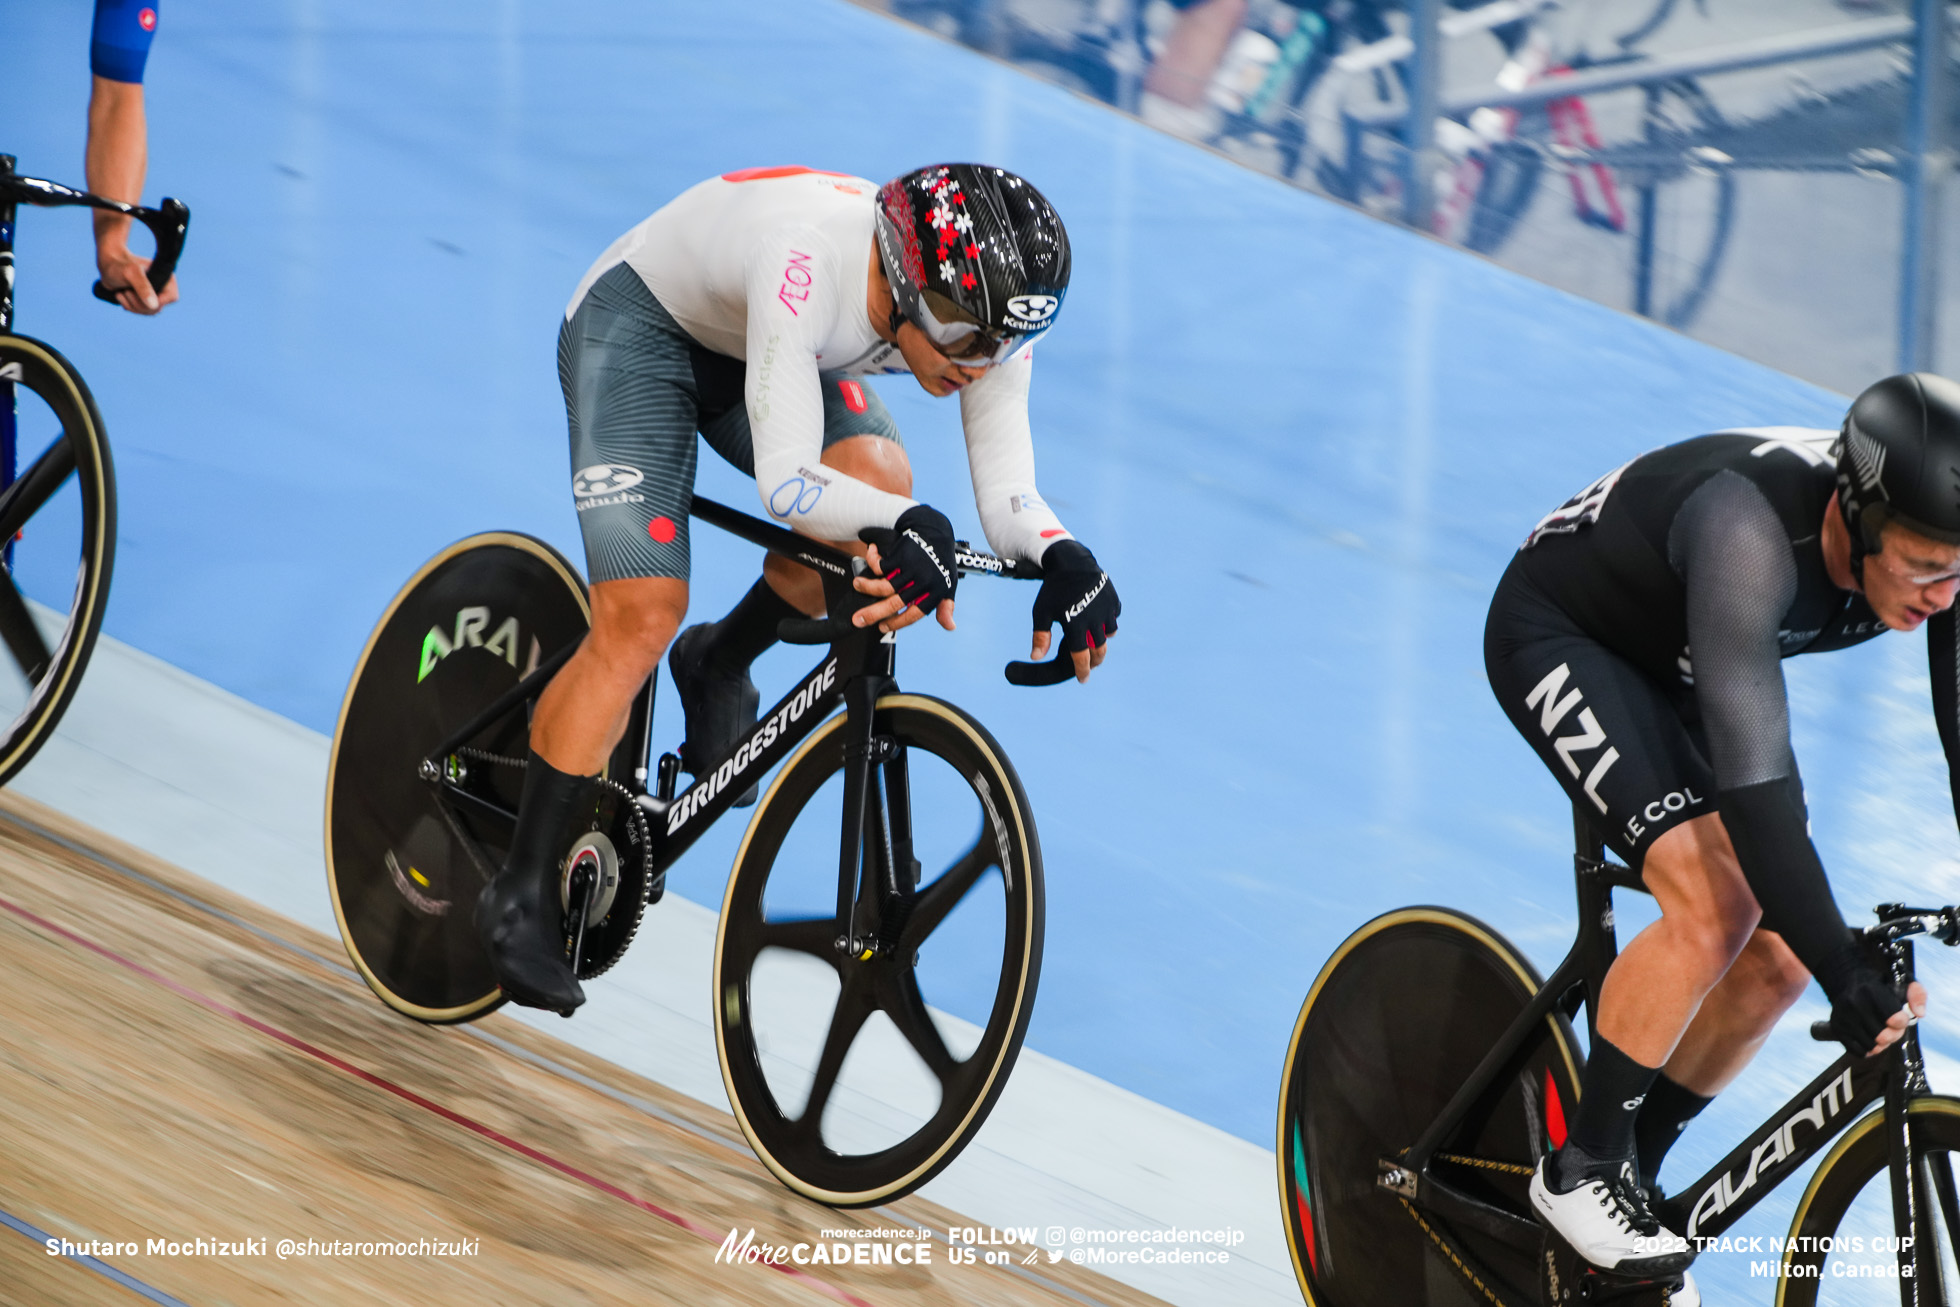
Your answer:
<point x="1610" y="1226"/>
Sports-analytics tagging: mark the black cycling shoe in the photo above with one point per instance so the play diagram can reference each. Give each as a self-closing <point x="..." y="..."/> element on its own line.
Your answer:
<point x="719" y="703"/>
<point x="519" y="916"/>
<point x="522" y="925"/>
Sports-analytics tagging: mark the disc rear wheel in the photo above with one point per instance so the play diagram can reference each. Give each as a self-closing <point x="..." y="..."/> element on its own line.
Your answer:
<point x="409" y="849"/>
<point x="1394" y="1025"/>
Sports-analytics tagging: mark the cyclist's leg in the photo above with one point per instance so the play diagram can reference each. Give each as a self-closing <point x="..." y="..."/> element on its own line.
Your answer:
<point x="582" y="713"/>
<point x="632" y="404"/>
<point x="1657" y="984"/>
<point x="1738" y="1014"/>
<point x="1725" y="1035"/>
<point x="631" y="408"/>
<point x="1731" y="1024"/>
<point x="1613" y="738"/>
<point x="1174" y="85"/>
<point x="711" y="662"/>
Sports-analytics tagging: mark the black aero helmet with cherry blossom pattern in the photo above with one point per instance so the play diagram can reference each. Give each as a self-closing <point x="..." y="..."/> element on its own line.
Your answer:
<point x="977" y="259"/>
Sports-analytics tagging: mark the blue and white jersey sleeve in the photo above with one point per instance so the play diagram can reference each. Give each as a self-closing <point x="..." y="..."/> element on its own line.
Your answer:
<point x="794" y="299"/>
<point x="1000" y="452"/>
<point x="119" y="46"/>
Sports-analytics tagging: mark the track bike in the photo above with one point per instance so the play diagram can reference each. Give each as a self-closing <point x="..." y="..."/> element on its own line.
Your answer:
<point x="1431" y="1069"/>
<point x="1351" y="119"/>
<point x="832" y="935"/>
<point x="58" y="518"/>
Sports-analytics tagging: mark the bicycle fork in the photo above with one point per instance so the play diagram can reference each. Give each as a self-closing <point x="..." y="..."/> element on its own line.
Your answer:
<point x="1919" y="1183"/>
<point x="877" y="870"/>
<point x="867" y="836"/>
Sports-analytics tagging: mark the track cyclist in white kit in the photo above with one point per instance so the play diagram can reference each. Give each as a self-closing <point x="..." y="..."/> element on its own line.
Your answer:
<point x="749" y="310"/>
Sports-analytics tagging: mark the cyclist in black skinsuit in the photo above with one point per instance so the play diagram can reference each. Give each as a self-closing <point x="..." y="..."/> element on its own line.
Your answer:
<point x="1635" y="642"/>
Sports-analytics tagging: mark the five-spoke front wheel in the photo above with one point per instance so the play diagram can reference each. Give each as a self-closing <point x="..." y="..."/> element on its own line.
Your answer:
<point x="858" y="1074"/>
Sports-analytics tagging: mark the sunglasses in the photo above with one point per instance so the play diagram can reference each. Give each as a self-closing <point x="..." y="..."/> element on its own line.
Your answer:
<point x="962" y="338"/>
<point x="1900" y="571"/>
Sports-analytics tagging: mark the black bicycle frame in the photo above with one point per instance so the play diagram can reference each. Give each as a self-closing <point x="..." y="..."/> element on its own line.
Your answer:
<point x="856" y="672"/>
<point x="1818" y="1113"/>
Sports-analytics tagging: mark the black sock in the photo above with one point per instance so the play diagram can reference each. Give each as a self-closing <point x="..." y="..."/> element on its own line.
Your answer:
<point x="1662" y="1118"/>
<point x="750" y="627"/>
<point x="1613" y="1089"/>
<point x="552" y="802"/>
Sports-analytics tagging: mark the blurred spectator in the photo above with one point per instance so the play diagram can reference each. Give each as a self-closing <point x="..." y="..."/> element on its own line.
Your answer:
<point x="1173" y="97"/>
<point x="118" y="145"/>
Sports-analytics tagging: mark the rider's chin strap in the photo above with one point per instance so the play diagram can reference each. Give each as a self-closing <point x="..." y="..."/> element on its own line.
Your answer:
<point x="894" y="321"/>
<point x="1865" y="538"/>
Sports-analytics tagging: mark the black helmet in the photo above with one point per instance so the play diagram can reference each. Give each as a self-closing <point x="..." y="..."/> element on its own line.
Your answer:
<point x="977" y="259"/>
<point x="1898" y="460"/>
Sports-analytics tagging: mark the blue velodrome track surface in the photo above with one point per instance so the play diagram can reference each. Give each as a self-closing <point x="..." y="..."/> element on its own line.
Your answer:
<point x="1303" y="443"/>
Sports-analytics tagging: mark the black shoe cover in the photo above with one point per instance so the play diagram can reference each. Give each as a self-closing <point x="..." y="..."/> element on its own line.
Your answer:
<point x="519" y="916"/>
<point x="720" y="704"/>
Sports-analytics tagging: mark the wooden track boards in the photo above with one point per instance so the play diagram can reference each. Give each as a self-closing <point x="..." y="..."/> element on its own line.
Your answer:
<point x="166" y="1073"/>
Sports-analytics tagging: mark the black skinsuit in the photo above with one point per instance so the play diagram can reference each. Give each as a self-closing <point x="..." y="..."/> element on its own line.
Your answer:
<point x="1636" y="641"/>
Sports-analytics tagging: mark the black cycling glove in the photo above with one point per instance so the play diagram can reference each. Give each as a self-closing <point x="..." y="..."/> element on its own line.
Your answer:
<point x="916" y="556"/>
<point x="1076" y="592"/>
<point x="1861" y="1000"/>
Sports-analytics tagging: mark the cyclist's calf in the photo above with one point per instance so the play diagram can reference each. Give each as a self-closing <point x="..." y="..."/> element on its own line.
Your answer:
<point x="1708" y="915"/>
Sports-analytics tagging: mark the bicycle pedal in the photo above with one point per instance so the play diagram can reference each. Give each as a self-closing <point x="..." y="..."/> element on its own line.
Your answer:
<point x="1565" y="1280"/>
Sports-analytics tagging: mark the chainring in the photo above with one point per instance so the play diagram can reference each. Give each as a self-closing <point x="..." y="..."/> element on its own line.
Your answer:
<point x="622" y="821"/>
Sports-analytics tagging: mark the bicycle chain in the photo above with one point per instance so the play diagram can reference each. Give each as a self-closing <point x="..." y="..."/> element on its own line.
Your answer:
<point x="1450" y="1253"/>
<point x="1508" y="1168"/>
<point x="484" y="755"/>
<point x="1485" y="1164"/>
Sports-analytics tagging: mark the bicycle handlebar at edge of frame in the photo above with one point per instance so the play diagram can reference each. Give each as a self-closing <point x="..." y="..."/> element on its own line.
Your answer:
<point x="168" y="222"/>
<point x="1897" y="922"/>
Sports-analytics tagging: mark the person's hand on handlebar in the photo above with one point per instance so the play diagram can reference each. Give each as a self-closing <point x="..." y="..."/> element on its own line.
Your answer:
<point x="117" y="156"/>
<point x="1077" y="593"/>
<point x="127" y="275"/>
<point x="912" y="570"/>
<point x="1868" y="1011"/>
<point x="1895" y="1025"/>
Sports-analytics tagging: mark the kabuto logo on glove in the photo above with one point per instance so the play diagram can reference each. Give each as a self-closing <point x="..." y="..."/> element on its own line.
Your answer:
<point x="930" y="552"/>
<point x="1075" y="610"/>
